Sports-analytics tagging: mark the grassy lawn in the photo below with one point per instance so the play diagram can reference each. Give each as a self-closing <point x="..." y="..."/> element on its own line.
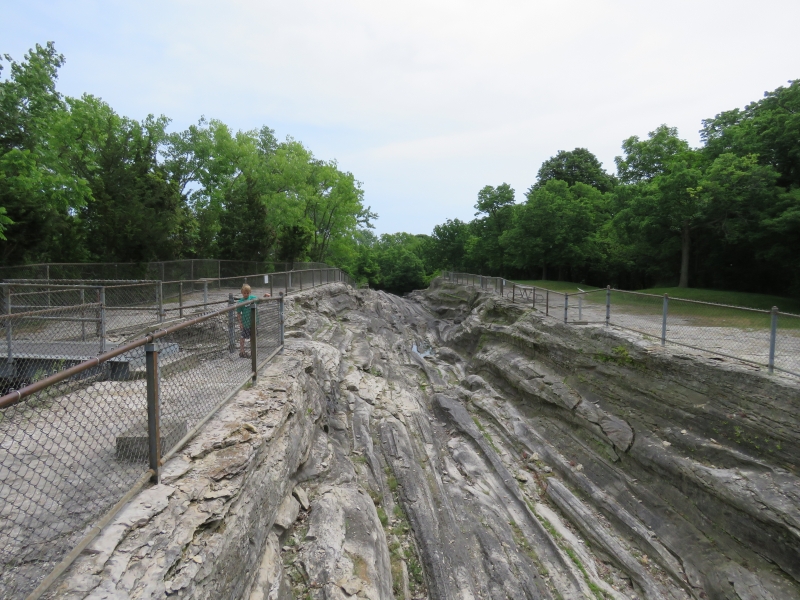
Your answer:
<point x="695" y="314"/>
<point x="556" y="286"/>
<point x="762" y="301"/>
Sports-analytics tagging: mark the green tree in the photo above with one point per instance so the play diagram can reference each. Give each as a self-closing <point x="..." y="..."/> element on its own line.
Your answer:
<point x="136" y="212"/>
<point x="39" y="194"/>
<point x="449" y="244"/>
<point x="400" y="258"/>
<point x="768" y="128"/>
<point x="668" y="173"/>
<point x="293" y="243"/>
<point x="495" y="207"/>
<point x="645" y="159"/>
<point x="575" y="166"/>
<point x="334" y="207"/>
<point x="555" y="228"/>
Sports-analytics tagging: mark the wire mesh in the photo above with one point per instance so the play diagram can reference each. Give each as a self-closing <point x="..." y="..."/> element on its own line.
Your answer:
<point x="61" y="466"/>
<point x="787" y="343"/>
<point x="171" y="270"/>
<point x="730" y="331"/>
<point x="71" y="450"/>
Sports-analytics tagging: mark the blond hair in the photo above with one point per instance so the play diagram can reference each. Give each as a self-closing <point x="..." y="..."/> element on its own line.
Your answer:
<point x="245" y="290"/>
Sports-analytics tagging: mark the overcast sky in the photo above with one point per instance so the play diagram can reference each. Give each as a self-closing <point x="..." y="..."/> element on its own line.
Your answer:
<point x="424" y="101"/>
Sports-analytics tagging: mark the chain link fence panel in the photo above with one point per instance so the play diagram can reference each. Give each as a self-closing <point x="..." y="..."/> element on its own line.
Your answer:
<point x="75" y="435"/>
<point x="171" y="270"/>
<point x="740" y="333"/>
<point x="71" y="450"/>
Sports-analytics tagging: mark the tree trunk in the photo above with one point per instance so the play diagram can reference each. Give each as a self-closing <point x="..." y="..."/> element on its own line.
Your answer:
<point x="686" y="244"/>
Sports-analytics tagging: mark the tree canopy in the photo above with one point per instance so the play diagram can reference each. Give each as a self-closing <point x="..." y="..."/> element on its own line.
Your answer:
<point x="79" y="182"/>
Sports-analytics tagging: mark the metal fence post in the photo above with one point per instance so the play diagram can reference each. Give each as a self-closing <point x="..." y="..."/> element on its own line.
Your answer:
<point x="153" y="412"/>
<point x="664" y="321"/>
<point x="281" y="319"/>
<point x="502" y="286"/>
<point x="9" y="335"/>
<point x="566" y="307"/>
<point x="580" y="307"/>
<point x="180" y="299"/>
<point x="286" y="277"/>
<point x="534" y="297"/>
<point x="773" y="334"/>
<point x="205" y="295"/>
<point x="161" y="300"/>
<point x="254" y="339"/>
<point x="83" y="315"/>
<point x="513" y="292"/>
<point x="608" y="305"/>
<point x="547" y="303"/>
<point x="102" y="319"/>
<point x="271" y="282"/>
<point x="231" y="325"/>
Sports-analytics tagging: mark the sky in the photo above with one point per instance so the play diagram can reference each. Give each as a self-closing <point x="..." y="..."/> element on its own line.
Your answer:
<point x="425" y="102"/>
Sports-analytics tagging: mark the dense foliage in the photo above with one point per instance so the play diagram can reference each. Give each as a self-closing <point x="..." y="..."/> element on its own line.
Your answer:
<point x="78" y="182"/>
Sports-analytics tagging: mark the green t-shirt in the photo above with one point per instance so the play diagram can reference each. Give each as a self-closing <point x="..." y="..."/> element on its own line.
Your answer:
<point x="244" y="311"/>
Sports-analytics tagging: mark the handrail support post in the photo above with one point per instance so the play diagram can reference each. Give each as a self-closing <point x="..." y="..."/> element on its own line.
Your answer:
<point x="254" y="339"/>
<point x="153" y="412"/>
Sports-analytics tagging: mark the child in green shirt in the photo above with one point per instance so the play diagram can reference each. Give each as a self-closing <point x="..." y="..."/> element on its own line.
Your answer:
<point x="243" y="316"/>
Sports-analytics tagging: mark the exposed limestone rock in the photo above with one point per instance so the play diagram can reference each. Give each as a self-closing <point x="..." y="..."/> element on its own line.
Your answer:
<point x="455" y="445"/>
<point x="302" y="497"/>
<point x="287" y="512"/>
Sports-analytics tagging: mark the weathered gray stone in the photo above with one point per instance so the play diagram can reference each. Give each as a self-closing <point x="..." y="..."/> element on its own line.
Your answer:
<point x="618" y="431"/>
<point x="446" y="461"/>
<point x="301" y="496"/>
<point x="287" y="512"/>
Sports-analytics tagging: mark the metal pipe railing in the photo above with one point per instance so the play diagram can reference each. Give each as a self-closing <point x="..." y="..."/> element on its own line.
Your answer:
<point x="17" y="395"/>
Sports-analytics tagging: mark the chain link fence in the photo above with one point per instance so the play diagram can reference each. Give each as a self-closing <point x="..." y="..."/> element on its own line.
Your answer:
<point x="73" y="444"/>
<point x="170" y="270"/>
<point x="768" y="339"/>
<point x="78" y="368"/>
<point x="58" y="323"/>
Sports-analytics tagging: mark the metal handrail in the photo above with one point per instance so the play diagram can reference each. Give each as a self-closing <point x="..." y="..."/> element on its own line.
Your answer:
<point x="17" y="395"/>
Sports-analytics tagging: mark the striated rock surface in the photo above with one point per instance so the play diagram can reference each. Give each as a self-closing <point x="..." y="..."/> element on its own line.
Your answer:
<point x="454" y="445"/>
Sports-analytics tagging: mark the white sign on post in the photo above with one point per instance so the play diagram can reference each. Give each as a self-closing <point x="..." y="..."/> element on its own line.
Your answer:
<point x="266" y="278"/>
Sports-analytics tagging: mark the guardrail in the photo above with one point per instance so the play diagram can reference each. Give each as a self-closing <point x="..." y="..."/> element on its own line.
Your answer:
<point x="80" y="436"/>
<point x="78" y="443"/>
<point x="765" y="338"/>
<point x="73" y="320"/>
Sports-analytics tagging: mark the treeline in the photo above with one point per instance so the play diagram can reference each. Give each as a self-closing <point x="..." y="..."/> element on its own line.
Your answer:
<point x="725" y="215"/>
<point x="79" y="182"/>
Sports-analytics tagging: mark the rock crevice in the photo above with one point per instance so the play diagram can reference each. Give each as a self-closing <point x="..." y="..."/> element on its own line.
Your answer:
<point x="452" y="444"/>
